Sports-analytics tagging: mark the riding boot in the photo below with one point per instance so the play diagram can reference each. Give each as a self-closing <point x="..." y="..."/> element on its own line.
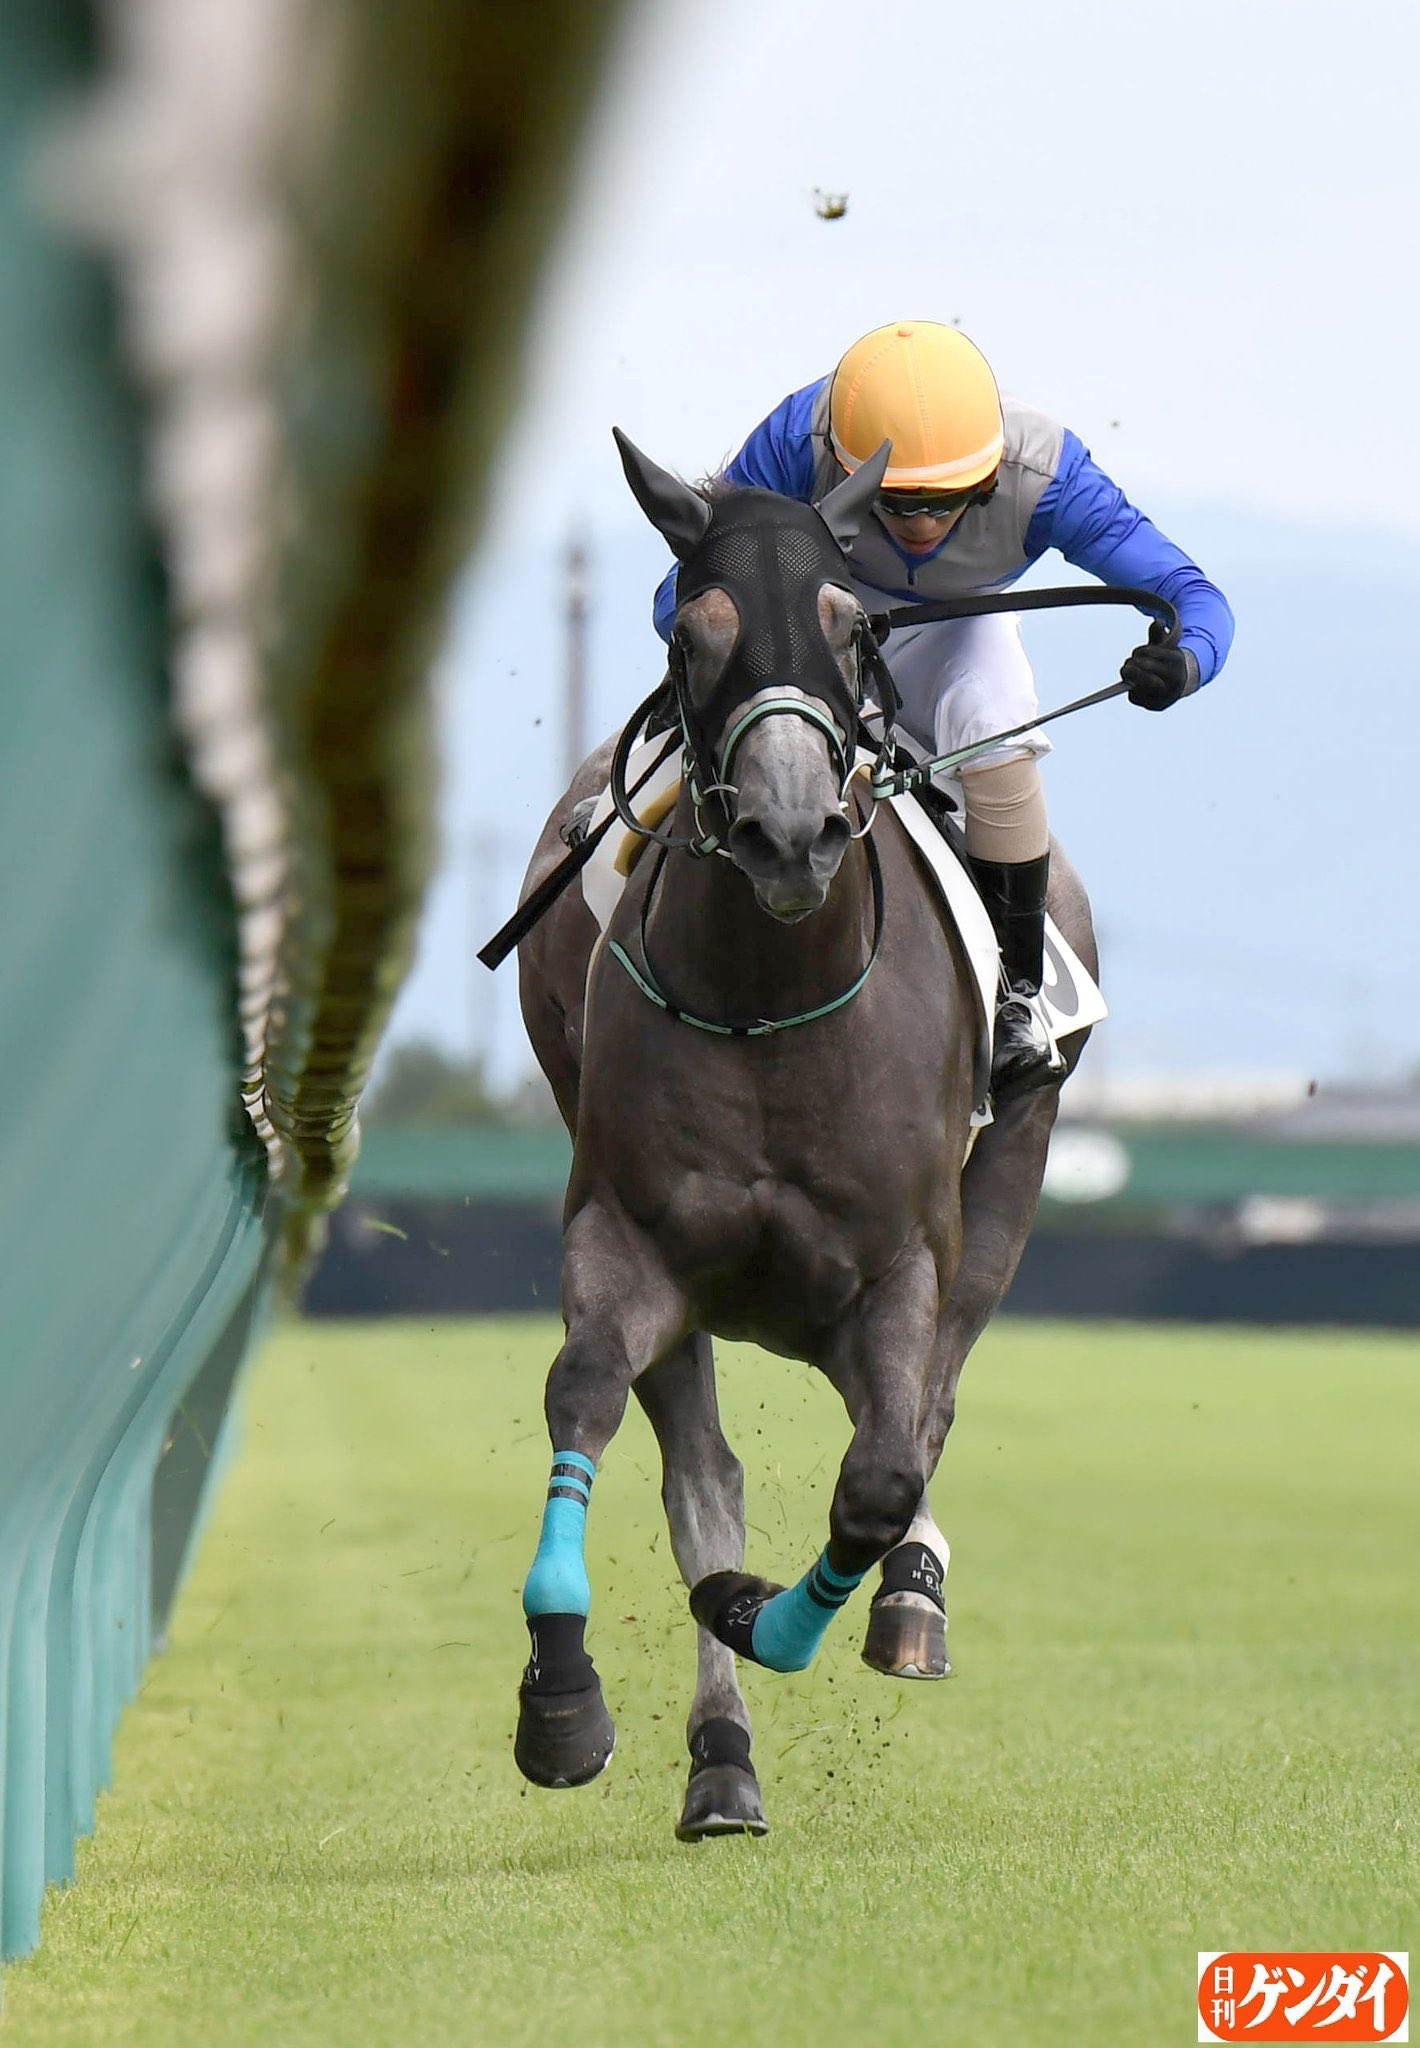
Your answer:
<point x="1014" y="895"/>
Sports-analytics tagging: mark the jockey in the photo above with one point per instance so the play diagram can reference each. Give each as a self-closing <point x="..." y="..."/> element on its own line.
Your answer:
<point x="978" y="487"/>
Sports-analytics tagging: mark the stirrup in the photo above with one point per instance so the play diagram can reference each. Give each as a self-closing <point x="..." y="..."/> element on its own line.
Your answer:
<point x="1032" y="1062"/>
<point x="578" y="822"/>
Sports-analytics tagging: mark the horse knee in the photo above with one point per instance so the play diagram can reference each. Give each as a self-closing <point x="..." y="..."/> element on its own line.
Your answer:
<point x="875" y="1502"/>
<point x="587" y="1389"/>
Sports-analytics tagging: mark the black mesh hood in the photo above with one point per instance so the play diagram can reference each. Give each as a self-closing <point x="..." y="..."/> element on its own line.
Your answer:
<point x="773" y="556"/>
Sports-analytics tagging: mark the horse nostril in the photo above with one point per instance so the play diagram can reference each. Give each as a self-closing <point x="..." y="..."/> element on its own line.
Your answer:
<point x="753" y="845"/>
<point x="832" y="842"/>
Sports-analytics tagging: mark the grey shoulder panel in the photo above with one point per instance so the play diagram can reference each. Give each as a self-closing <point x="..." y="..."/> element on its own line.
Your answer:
<point x="1033" y="439"/>
<point x="1032" y="455"/>
<point x="827" y="470"/>
<point x="987" y="549"/>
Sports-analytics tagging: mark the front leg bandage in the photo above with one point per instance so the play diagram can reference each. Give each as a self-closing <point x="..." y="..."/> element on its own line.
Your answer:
<point x="557" y="1581"/>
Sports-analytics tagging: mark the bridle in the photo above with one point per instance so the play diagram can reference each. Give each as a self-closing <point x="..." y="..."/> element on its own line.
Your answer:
<point x="798" y="676"/>
<point x="709" y="770"/>
<point x="885" y="772"/>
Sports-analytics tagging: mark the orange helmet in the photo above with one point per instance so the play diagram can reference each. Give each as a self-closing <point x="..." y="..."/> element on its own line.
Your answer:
<point x="929" y="391"/>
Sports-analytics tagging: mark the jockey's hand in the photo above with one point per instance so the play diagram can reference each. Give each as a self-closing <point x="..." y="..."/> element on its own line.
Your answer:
<point x="1157" y="675"/>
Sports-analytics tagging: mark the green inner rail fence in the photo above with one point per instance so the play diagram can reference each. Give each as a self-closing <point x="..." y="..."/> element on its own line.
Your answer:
<point x="1161" y="1166"/>
<point x="207" y="891"/>
<point x="132" y="1195"/>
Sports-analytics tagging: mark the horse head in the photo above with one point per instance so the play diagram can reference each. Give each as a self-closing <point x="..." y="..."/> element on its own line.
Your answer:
<point x="767" y="663"/>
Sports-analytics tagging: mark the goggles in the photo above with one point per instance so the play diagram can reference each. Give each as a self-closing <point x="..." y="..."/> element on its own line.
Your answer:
<point x="936" y="504"/>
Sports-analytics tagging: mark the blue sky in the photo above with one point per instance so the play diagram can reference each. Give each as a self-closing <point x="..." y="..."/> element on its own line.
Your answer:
<point x="1186" y="233"/>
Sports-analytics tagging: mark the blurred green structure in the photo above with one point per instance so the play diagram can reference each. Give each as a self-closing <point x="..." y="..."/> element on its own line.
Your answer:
<point x="207" y="885"/>
<point x="1160" y="1167"/>
<point x="132" y="1188"/>
<point x="1306" y="1216"/>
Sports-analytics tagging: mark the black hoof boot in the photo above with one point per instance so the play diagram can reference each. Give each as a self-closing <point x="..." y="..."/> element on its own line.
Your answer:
<point x="726" y="1603"/>
<point x="565" y="1734"/>
<point x="722" y="1797"/>
<point x="907" y="1622"/>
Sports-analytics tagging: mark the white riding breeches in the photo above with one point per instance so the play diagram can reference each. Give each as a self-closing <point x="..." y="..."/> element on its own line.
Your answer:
<point x="963" y="679"/>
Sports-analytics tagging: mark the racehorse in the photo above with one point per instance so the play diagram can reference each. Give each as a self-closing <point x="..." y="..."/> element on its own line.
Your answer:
<point x="768" y="1075"/>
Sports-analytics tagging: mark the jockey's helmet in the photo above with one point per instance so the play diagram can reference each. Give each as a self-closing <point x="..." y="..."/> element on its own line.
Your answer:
<point x="929" y="391"/>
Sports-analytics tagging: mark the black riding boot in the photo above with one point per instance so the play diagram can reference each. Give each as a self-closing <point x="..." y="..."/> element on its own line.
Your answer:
<point x="1014" y="895"/>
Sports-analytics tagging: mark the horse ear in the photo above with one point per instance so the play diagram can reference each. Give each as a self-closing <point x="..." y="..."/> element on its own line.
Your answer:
<point x="679" y="514"/>
<point x="847" y="504"/>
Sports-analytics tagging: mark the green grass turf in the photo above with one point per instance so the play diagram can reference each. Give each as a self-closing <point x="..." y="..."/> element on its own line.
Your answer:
<point x="1184" y="1616"/>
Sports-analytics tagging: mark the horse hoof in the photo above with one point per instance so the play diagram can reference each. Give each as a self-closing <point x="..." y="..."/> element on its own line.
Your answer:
<point x="907" y="1637"/>
<point x="563" y="1738"/>
<point x="723" y="1799"/>
<point x="727" y="1602"/>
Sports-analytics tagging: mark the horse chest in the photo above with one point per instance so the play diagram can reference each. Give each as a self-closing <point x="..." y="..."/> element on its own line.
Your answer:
<point x="758" y="1247"/>
<point x="804" y="1238"/>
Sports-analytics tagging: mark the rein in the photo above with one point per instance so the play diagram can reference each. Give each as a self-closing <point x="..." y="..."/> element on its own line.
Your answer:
<point x="536" y="906"/>
<point x="890" y="774"/>
<point x="758" y="1027"/>
<point x="896" y="779"/>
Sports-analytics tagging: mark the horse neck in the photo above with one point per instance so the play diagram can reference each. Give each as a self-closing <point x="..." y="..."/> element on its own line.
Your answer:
<point x="721" y="955"/>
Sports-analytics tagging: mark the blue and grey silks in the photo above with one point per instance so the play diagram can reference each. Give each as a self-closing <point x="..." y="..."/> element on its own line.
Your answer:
<point x="1051" y="493"/>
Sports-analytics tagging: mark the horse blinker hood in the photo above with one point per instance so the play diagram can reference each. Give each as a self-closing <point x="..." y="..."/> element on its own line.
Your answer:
<point x="772" y="556"/>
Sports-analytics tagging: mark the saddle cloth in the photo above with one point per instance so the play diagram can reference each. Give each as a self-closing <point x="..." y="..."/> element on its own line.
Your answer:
<point x="1068" y="1001"/>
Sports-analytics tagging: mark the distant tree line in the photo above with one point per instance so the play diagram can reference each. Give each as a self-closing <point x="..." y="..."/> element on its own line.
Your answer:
<point x="428" y="1086"/>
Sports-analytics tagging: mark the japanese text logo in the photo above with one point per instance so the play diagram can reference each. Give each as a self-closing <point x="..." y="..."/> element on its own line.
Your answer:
<point x="1274" y="1995"/>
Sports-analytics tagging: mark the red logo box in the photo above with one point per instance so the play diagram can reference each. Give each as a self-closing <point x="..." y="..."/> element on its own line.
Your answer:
<point x="1279" y="1995"/>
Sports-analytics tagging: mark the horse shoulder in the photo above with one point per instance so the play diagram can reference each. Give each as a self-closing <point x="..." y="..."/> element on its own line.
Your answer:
<point x="553" y="958"/>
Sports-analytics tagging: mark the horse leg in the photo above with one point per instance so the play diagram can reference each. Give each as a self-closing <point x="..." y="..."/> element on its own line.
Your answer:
<point x="703" y="1491"/>
<point x="907" y="1624"/>
<point x="881" y="1362"/>
<point x="1000" y="1189"/>
<point x="622" y="1312"/>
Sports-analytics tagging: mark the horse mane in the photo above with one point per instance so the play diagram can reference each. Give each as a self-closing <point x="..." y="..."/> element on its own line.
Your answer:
<point x="715" y="489"/>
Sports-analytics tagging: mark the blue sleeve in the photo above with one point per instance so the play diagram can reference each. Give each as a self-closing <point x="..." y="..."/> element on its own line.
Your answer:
<point x="1088" y="518"/>
<point x="778" y="456"/>
<point x="663" y="605"/>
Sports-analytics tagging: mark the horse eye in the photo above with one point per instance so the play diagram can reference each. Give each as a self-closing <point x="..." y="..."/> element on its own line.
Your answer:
<point x="693" y="670"/>
<point x="702" y="668"/>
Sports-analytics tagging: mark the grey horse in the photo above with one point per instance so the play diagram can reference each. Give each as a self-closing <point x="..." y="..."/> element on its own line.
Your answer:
<point x="789" y="1172"/>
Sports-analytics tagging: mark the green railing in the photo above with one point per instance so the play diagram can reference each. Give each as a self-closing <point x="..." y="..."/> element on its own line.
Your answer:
<point x="132" y="1189"/>
<point x="214" y="790"/>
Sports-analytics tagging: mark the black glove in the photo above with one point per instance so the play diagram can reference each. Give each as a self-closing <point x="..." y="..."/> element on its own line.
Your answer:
<point x="1157" y="675"/>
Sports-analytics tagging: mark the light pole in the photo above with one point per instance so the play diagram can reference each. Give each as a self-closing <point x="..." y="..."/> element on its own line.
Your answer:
<point x="574" y="711"/>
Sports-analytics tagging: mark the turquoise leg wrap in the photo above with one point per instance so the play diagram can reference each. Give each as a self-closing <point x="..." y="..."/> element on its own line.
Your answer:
<point x="557" y="1581"/>
<point x="789" y="1628"/>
